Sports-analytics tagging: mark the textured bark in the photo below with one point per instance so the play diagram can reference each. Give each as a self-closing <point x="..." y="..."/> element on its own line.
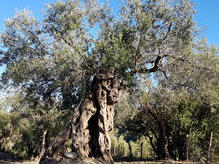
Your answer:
<point x="43" y="146"/>
<point x="56" y="145"/>
<point x="94" y="120"/>
<point x="162" y="141"/>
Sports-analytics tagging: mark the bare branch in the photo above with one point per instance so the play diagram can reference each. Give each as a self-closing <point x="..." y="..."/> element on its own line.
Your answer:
<point x="157" y="63"/>
<point x="168" y="31"/>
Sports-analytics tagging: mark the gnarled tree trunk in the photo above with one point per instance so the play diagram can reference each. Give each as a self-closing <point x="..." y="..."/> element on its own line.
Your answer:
<point x="94" y="120"/>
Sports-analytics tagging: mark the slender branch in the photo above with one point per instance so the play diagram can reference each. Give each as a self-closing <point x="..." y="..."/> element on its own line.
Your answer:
<point x="39" y="42"/>
<point x="71" y="45"/>
<point x="146" y="62"/>
<point x="164" y="72"/>
<point x="168" y="31"/>
<point x="177" y="58"/>
<point x="138" y="50"/>
<point x="157" y="62"/>
<point x="150" y="111"/>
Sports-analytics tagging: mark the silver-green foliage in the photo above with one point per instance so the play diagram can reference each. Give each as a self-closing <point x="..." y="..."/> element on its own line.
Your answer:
<point x="55" y="58"/>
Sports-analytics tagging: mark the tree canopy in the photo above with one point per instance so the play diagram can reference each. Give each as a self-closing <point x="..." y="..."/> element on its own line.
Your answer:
<point x="55" y="59"/>
<point x="70" y="68"/>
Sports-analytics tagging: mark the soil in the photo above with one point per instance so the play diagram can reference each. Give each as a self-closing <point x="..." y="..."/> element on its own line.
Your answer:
<point x="73" y="162"/>
<point x="9" y="159"/>
<point x="80" y="162"/>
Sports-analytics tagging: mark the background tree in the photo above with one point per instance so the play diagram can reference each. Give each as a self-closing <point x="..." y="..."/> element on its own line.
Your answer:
<point x="178" y="114"/>
<point x="60" y="61"/>
<point x="22" y="127"/>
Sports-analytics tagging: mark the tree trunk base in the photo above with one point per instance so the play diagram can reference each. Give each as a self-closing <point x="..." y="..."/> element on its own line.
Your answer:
<point x="92" y="124"/>
<point x="70" y="161"/>
<point x="94" y="121"/>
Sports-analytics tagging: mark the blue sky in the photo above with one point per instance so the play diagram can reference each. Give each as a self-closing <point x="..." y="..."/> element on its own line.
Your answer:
<point x="207" y="14"/>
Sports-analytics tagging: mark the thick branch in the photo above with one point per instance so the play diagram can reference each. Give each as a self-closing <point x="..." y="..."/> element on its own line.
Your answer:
<point x="157" y="64"/>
